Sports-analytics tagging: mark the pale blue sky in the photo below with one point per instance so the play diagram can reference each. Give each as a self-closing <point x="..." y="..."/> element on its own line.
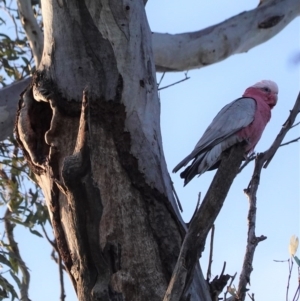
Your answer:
<point x="187" y="109"/>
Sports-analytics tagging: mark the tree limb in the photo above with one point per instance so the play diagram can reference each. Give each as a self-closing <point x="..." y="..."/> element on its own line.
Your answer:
<point x="202" y="222"/>
<point x="9" y="97"/>
<point x="191" y="50"/>
<point x="262" y="160"/>
<point x="32" y="29"/>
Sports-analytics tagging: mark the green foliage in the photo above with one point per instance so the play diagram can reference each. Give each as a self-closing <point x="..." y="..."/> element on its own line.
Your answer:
<point x="16" y="60"/>
<point x="20" y="204"/>
<point x="6" y="288"/>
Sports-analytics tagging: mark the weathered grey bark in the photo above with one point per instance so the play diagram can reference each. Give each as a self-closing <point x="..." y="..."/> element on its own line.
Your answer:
<point x="202" y="221"/>
<point x="9" y="98"/>
<point x="192" y="50"/>
<point x="33" y="31"/>
<point x="89" y="126"/>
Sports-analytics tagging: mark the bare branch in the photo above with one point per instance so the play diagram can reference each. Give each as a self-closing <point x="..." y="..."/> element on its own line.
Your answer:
<point x="57" y="259"/>
<point x="51" y="242"/>
<point x="262" y="160"/>
<point x="208" y="274"/>
<point x="252" y="240"/>
<point x="193" y="50"/>
<point x="247" y="161"/>
<point x="32" y="29"/>
<point x="161" y="78"/>
<point x="196" y="208"/>
<point x="7" y="11"/>
<point x="178" y="82"/>
<point x="251" y="296"/>
<point x="9" y="97"/>
<point x="217" y="285"/>
<point x="291" y="141"/>
<point x="269" y="154"/>
<point x="295" y="124"/>
<point x="61" y="278"/>
<point x="297" y="293"/>
<point x="291" y="263"/>
<point x="177" y="198"/>
<point x="238" y="34"/>
<point x="202" y="222"/>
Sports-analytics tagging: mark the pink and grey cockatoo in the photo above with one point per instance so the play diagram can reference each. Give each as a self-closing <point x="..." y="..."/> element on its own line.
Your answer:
<point x="241" y="120"/>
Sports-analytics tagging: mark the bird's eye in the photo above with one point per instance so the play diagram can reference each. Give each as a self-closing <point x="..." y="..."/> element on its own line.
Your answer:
<point x="266" y="89"/>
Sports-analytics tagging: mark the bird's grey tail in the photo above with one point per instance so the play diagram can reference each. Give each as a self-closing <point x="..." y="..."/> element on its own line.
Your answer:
<point x="182" y="163"/>
<point x="192" y="170"/>
<point x="189" y="173"/>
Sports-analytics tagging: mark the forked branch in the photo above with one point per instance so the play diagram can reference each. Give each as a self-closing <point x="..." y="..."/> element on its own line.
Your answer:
<point x="262" y="160"/>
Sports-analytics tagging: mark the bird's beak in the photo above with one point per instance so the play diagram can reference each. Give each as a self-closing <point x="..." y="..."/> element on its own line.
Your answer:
<point x="275" y="98"/>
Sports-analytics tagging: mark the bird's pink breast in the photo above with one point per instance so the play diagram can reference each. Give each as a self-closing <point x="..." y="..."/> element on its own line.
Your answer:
<point x="254" y="130"/>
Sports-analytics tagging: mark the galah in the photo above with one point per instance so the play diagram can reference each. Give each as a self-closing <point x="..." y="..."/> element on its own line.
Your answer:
<point x="244" y="119"/>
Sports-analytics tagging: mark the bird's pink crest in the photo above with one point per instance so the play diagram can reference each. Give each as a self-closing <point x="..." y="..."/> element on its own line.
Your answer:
<point x="267" y="83"/>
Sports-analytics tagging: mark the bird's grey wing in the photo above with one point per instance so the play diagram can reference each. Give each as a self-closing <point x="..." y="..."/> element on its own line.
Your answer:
<point x="233" y="117"/>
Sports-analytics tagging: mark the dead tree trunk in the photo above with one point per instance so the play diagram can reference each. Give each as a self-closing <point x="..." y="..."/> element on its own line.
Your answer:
<point x="89" y="125"/>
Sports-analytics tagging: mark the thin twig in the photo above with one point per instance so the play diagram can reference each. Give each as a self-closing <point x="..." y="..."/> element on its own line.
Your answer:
<point x="51" y="242"/>
<point x="295" y="124"/>
<point x="224" y="267"/>
<point x="247" y="161"/>
<point x="291" y="263"/>
<point x="55" y="249"/>
<point x="196" y="208"/>
<point x="269" y="154"/>
<point x="297" y="293"/>
<point x="13" y="20"/>
<point x="177" y="198"/>
<point x="61" y="278"/>
<point x="291" y="141"/>
<point x="178" y="82"/>
<point x="163" y="75"/>
<point x="208" y="274"/>
<point x="61" y="268"/>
